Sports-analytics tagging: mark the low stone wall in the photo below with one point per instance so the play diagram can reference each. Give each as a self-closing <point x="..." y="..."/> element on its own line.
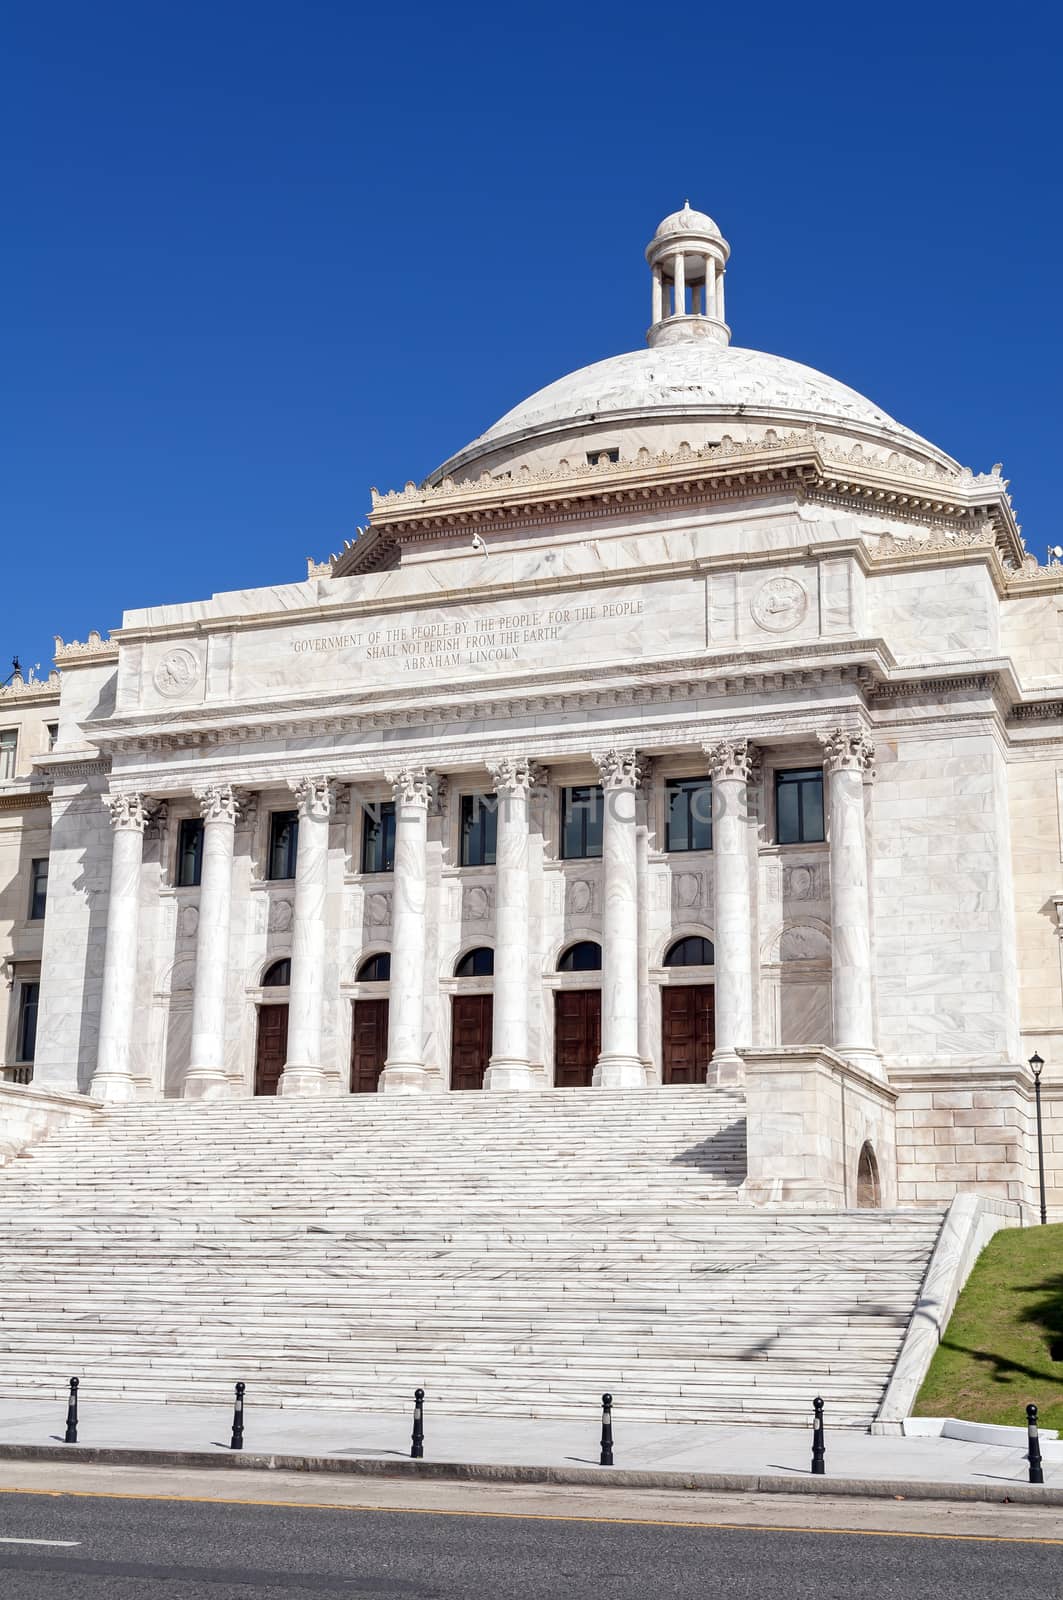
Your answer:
<point x="971" y="1222"/>
<point x="29" y="1114"/>
<point x="811" y="1116"/>
<point x="972" y="1130"/>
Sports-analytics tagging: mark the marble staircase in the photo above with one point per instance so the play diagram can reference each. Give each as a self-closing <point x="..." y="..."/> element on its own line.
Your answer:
<point x="512" y="1254"/>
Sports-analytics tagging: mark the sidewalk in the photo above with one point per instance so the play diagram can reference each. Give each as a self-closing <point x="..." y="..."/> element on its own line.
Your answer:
<point x="331" y="1440"/>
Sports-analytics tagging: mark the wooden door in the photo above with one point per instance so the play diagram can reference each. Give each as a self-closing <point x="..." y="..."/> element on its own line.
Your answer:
<point x="577" y="1036"/>
<point x="470" y="1040"/>
<point x="369" y="1044"/>
<point x="688" y="1032"/>
<point x="271" y="1049"/>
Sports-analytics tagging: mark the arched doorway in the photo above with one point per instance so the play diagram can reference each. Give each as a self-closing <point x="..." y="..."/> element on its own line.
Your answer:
<point x="578" y="1018"/>
<point x="271" y="1045"/>
<point x="471" y="1022"/>
<point x="369" y="1025"/>
<point x="688" y="1011"/>
<point x="868" y="1187"/>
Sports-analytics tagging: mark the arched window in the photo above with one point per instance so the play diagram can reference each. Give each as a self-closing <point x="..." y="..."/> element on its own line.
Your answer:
<point x="868" y="1188"/>
<point x="583" y="957"/>
<point x="691" y="952"/>
<point x="278" y="976"/>
<point x="377" y="969"/>
<point x="476" y="964"/>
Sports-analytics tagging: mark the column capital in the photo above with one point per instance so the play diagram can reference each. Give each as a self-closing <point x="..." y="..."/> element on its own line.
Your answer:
<point x="734" y="758"/>
<point x="515" y="774"/>
<point x="218" y="802"/>
<point x="314" y="795"/>
<point x="848" y="751"/>
<point x="411" y="786"/>
<point x="619" y="769"/>
<point x="130" y="812"/>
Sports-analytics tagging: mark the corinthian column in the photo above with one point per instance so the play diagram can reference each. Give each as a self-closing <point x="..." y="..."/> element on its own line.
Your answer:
<point x="205" y="1078"/>
<point x="113" y="1078"/>
<point x="510" y="1063"/>
<point x="734" y="766"/>
<point x="619" y="1066"/>
<point x="848" y="763"/>
<point x="404" y="1071"/>
<point x="304" y="1071"/>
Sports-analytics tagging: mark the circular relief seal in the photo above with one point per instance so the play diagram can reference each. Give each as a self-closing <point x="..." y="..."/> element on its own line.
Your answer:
<point x="176" y="672"/>
<point x="779" y="604"/>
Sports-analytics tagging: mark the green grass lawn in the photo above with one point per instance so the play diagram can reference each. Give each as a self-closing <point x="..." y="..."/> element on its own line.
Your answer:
<point x="996" y="1355"/>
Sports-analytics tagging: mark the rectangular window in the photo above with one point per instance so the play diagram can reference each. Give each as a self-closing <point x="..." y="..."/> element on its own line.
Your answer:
<point x="29" y="995"/>
<point x="38" y="888"/>
<point x="378" y="837"/>
<point x="52" y="730"/>
<point x="799" y="806"/>
<point x="8" y="749"/>
<point x="594" y="456"/>
<point x="189" y="852"/>
<point x="582" y="809"/>
<point x="479" y="829"/>
<point x="689" y="814"/>
<point x="283" y="843"/>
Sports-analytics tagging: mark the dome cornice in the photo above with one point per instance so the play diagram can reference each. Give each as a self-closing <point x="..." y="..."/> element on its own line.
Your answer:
<point x="802" y="464"/>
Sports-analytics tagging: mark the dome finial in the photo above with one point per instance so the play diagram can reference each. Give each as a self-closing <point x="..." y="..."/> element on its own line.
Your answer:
<point x="687" y="256"/>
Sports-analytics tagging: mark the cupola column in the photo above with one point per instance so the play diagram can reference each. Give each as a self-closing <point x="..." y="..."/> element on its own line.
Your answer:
<point x="679" y="272"/>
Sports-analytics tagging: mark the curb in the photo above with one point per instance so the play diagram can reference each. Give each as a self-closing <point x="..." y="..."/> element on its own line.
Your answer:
<point x="605" y="1477"/>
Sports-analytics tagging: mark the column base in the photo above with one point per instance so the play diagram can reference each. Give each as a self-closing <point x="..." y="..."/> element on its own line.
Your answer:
<point x="205" y="1083"/>
<point x="406" y="1078"/>
<point x="113" y="1088"/>
<point x="304" y="1080"/>
<point x="726" y="1071"/>
<point x="869" y="1061"/>
<point x="619" y="1072"/>
<point x="509" y="1075"/>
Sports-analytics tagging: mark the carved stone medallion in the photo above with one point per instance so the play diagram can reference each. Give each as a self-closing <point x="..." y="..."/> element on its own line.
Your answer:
<point x="779" y="605"/>
<point x="176" y="673"/>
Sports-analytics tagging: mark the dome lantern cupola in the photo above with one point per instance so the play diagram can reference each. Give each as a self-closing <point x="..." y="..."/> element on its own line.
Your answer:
<point x="687" y="256"/>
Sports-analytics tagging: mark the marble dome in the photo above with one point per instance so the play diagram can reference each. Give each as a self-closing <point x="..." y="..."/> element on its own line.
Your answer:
<point x="690" y="385"/>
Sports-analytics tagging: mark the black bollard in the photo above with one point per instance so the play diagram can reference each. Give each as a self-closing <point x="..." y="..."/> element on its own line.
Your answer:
<point x="606" y="1458"/>
<point x="818" y="1454"/>
<point x="1037" y="1473"/>
<point x="238" y="1418"/>
<point x="71" y="1434"/>
<point x="417" y="1447"/>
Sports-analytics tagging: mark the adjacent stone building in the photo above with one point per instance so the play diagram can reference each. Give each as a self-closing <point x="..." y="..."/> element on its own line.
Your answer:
<point x="696" y="723"/>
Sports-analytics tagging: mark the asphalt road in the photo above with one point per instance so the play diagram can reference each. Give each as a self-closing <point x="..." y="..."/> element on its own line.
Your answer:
<point x="155" y="1549"/>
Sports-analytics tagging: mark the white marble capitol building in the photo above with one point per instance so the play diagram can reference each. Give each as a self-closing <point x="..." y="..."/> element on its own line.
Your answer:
<point x="696" y="725"/>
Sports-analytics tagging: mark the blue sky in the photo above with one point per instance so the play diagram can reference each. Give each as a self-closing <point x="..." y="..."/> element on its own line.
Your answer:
<point x="257" y="257"/>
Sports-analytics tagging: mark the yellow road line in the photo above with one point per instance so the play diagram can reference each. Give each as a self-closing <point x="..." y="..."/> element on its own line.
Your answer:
<point x="542" y="1516"/>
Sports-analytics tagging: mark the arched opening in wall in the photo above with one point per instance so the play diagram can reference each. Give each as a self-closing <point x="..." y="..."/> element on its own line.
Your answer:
<point x="868" y="1188"/>
<point x="577" y="1018"/>
<point x="688" y="1011"/>
<point x="271" y="1045"/>
<point x="369" y="1025"/>
<point x="471" y="1022"/>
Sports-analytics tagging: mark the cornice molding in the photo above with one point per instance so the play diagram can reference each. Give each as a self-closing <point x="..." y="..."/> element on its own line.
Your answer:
<point x="801" y="461"/>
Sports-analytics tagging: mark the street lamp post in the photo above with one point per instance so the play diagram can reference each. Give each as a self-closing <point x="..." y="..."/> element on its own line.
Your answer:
<point x="1037" y="1067"/>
